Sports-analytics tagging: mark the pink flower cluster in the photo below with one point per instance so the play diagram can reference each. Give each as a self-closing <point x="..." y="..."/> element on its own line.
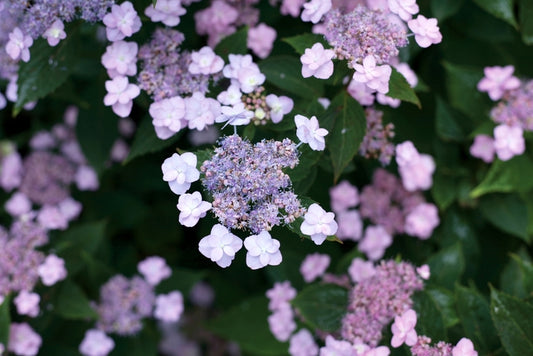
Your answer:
<point x="415" y="169"/>
<point x="508" y="142"/>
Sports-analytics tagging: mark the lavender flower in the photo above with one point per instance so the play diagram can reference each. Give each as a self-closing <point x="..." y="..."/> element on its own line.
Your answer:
<point x="376" y="142"/>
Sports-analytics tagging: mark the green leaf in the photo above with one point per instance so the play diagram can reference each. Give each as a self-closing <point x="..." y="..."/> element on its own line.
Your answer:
<point x="301" y="42"/>
<point x="444" y="300"/>
<point x="5" y="320"/>
<point x="526" y="21"/>
<point x="502" y="9"/>
<point x="142" y="344"/>
<point x="322" y="306"/>
<point x="512" y="277"/>
<point x="526" y="269"/>
<point x="181" y="279"/>
<point x="73" y="304"/>
<point x="247" y="325"/>
<point x="47" y="69"/>
<point x="513" y="319"/>
<point x="447" y="265"/>
<point x="444" y="190"/>
<point x="345" y="120"/>
<point x="449" y="122"/>
<point x="146" y="141"/>
<point x="430" y="320"/>
<point x="285" y="72"/>
<point x="308" y="159"/>
<point x="508" y="212"/>
<point x="443" y="9"/>
<point x="507" y="176"/>
<point x="474" y="312"/>
<point x="400" y="89"/>
<point x="236" y="43"/>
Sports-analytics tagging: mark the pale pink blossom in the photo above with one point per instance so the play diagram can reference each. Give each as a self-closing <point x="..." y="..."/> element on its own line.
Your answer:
<point x="235" y="115"/>
<point x="382" y="5"/>
<point x="119" y="151"/>
<point x="154" y="269"/>
<point x="375" y="241"/>
<point x="42" y="140"/>
<point x="126" y="127"/>
<point x="96" y="343"/>
<point x="250" y="78"/>
<point x="422" y="220"/>
<point x="11" y="171"/>
<point x="360" y="270"/>
<point x="121" y="22"/>
<point x="19" y="45"/>
<point x="403" y="329"/>
<point x="318" y="224"/>
<point x="69" y="208"/>
<point x="314" y="266"/>
<point x="86" y="178"/>
<point x="52" y="270"/>
<point x="350" y="225"/>
<point x="378" y="351"/>
<point x="423" y="271"/>
<point x="403" y="8"/>
<point x="464" y="347"/>
<point x="55" y="33"/>
<point x="27" y="303"/>
<point x="280" y="295"/>
<point x="205" y="61"/>
<point x="120" y="94"/>
<point x="169" y="307"/>
<point x="416" y="170"/>
<point x="387" y="100"/>
<point x="19" y="204"/>
<point x="166" y="11"/>
<point x="337" y="348"/>
<point x="23" y="340"/>
<point x="303" y="344"/>
<point x="375" y="77"/>
<point x="3" y="104"/>
<point x="406" y="153"/>
<point x="291" y="7"/>
<point x="497" y="81"/>
<point x="168" y="116"/>
<point x="120" y="58"/>
<point x="216" y="21"/>
<point x="314" y="10"/>
<point x="263" y="250"/>
<point x="343" y="196"/>
<point x="316" y="61"/>
<point x="483" y="147"/>
<point x="508" y="141"/>
<point x="281" y="323"/>
<point x="279" y="106"/>
<point x="220" y="245"/>
<point x="261" y="39"/>
<point x="361" y="92"/>
<point x="408" y="73"/>
<point x="201" y="112"/>
<point x="309" y="132"/>
<point x="192" y="208"/>
<point x="426" y="31"/>
<point x="51" y="218"/>
<point x="180" y="171"/>
<point x="231" y="96"/>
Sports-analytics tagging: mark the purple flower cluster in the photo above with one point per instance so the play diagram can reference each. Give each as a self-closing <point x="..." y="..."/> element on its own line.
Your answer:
<point x="516" y="107"/>
<point x="376" y="142"/>
<point x="364" y="32"/>
<point x="19" y="260"/>
<point x="376" y="300"/>
<point x="165" y="70"/>
<point x="123" y="304"/>
<point x="249" y="188"/>
<point x="423" y="348"/>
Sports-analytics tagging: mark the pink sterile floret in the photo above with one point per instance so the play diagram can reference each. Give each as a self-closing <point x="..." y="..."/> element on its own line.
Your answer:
<point x="51" y="218"/>
<point x="508" y="141"/>
<point x="120" y="94"/>
<point x="291" y="7"/>
<point x="86" y="178"/>
<point x="230" y="96"/>
<point x="52" y="270"/>
<point x="343" y="196"/>
<point x="166" y="11"/>
<point x="361" y="92"/>
<point x="318" y="224"/>
<point x="423" y="271"/>
<point x="279" y="106"/>
<point x="180" y="172"/>
<point x="316" y="61"/>
<point x="96" y="343"/>
<point x="201" y="112"/>
<point x="360" y="270"/>
<point x="122" y="22"/>
<point x="281" y="323"/>
<point x="55" y="33"/>
<point x="235" y="115"/>
<point x="426" y="31"/>
<point x="120" y="58"/>
<point x="308" y="132"/>
<point x="464" y="347"/>
<point x="314" y="266"/>
<point x="483" y="147"/>
<point x="497" y="81"/>
<point x="154" y="269"/>
<point x="205" y="61"/>
<point x="375" y="241"/>
<point x="337" y="347"/>
<point x="315" y="9"/>
<point x="422" y="220"/>
<point x="374" y="76"/>
<point x="18" y="204"/>
<point x="169" y="307"/>
<point x="280" y="295"/>
<point x="303" y="344"/>
<point x="168" y="116"/>
<point x="23" y="340"/>
<point x="192" y="208"/>
<point x="19" y="45"/>
<point x="27" y="303"/>
<point x="403" y="329"/>
<point x="403" y="8"/>
<point x="261" y="39"/>
<point x="350" y="225"/>
<point x="263" y="250"/>
<point x="220" y="246"/>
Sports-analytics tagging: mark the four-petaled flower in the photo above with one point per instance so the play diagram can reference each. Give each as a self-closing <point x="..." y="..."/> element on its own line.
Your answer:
<point x="403" y="8"/>
<point x="464" y="347"/>
<point x="263" y="250"/>
<point x="180" y="171"/>
<point x="19" y="45"/>
<point x="315" y="9"/>
<point x="403" y="329"/>
<point x="120" y="94"/>
<point x="55" y="33"/>
<point x="375" y="77"/>
<point x="318" y="224"/>
<point x="122" y="22"/>
<point x="192" y="208"/>
<point x="235" y="115"/>
<point x="169" y="307"/>
<point x="279" y="106"/>
<point x="497" y="81"/>
<point x="205" y="61"/>
<point x="154" y="269"/>
<point x="316" y="61"/>
<point x="426" y="31"/>
<point x="166" y="11"/>
<point x="508" y="141"/>
<point x="308" y="132"/>
<point x="220" y="246"/>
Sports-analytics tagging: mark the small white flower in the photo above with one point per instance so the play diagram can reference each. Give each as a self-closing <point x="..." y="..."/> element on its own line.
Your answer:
<point x="154" y="269"/>
<point x="96" y="343"/>
<point x="192" y="208"/>
<point x="180" y="171"/>
<point x="205" y="61"/>
<point x="27" y="303"/>
<point x="220" y="246"/>
<point x="308" y="132"/>
<point x="279" y="106"/>
<point x="318" y="224"/>
<point x="263" y="250"/>
<point x="169" y="307"/>
<point x="235" y="115"/>
<point x="52" y="270"/>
